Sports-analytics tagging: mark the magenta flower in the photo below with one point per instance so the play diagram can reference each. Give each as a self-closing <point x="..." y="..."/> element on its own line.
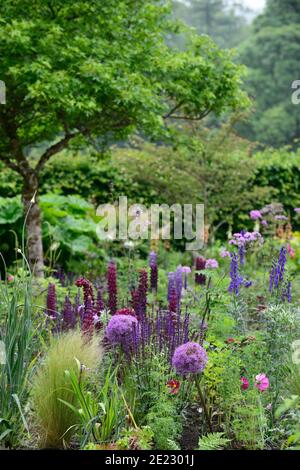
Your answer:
<point x="290" y="250"/>
<point x="255" y="214"/>
<point x="10" y="278"/>
<point x="245" y="383"/>
<point x="211" y="264"/>
<point x="189" y="358"/>
<point x="262" y="382"/>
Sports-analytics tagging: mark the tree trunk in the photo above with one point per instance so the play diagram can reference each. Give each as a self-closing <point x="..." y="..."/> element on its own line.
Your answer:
<point x="33" y="223"/>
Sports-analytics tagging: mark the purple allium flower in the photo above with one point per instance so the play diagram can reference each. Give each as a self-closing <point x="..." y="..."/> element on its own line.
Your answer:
<point x="142" y="293"/>
<point x="281" y="217"/>
<point x="211" y="264"/>
<point x="255" y="214"/>
<point x="264" y="223"/>
<point x="120" y="329"/>
<point x="51" y="310"/>
<point x="186" y="270"/>
<point x="189" y="358"/>
<point x="112" y="287"/>
<point x="68" y="315"/>
<point x="297" y="210"/>
<point x="236" y="278"/>
<point x="200" y="265"/>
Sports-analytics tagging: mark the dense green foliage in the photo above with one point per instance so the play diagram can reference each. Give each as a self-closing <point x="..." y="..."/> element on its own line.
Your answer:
<point x="272" y="54"/>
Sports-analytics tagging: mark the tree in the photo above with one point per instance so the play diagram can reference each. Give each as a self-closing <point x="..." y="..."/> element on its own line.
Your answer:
<point x="209" y="166"/>
<point x="225" y="21"/>
<point x="272" y="54"/>
<point x="97" y="70"/>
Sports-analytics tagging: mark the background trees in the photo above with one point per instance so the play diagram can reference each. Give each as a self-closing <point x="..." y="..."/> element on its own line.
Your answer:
<point x="97" y="71"/>
<point x="272" y="54"/>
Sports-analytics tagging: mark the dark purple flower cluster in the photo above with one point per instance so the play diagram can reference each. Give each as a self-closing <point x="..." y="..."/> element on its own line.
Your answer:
<point x="153" y="271"/>
<point x="51" y="310"/>
<point x="236" y="280"/>
<point x="112" y="287"/>
<point x="189" y="358"/>
<point x="200" y="265"/>
<point x="277" y="281"/>
<point x="277" y="271"/>
<point x="142" y="294"/>
<point x="68" y="315"/>
<point x="179" y="284"/>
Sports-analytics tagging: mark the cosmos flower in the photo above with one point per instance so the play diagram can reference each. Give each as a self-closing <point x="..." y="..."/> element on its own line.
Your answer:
<point x="262" y="382"/>
<point x="245" y="383"/>
<point x="290" y="250"/>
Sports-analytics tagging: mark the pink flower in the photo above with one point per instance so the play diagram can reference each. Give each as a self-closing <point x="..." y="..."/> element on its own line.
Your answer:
<point x="297" y="209"/>
<point x="262" y="382"/>
<point x="211" y="263"/>
<point x="245" y="383"/>
<point x="290" y="250"/>
<point x="224" y="253"/>
<point x="255" y="215"/>
<point x="10" y="278"/>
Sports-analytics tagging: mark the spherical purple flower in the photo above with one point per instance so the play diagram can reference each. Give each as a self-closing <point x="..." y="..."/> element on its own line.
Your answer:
<point x="211" y="264"/>
<point x="120" y="329"/>
<point x="255" y="215"/>
<point x="189" y="358"/>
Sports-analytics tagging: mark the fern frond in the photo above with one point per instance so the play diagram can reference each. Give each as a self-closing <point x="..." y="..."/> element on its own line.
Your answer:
<point x="214" y="441"/>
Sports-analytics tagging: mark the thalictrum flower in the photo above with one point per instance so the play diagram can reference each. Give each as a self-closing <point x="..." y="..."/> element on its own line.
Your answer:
<point x="255" y="214"/>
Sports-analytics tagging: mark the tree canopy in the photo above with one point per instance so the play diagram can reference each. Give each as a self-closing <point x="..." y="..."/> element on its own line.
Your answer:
<point x="272" y="54"/>
<point x="98" y="71"/>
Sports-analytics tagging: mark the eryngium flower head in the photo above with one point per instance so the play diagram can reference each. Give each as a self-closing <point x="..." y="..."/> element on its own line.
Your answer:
<point x="189" y="358"/>
<point x="120" y="329"/>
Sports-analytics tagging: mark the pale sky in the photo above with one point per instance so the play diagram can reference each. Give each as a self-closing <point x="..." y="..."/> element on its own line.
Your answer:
<point x="255" y="4"/>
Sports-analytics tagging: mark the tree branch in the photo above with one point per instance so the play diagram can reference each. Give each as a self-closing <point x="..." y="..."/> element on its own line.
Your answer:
<point x="55" y="148"/>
